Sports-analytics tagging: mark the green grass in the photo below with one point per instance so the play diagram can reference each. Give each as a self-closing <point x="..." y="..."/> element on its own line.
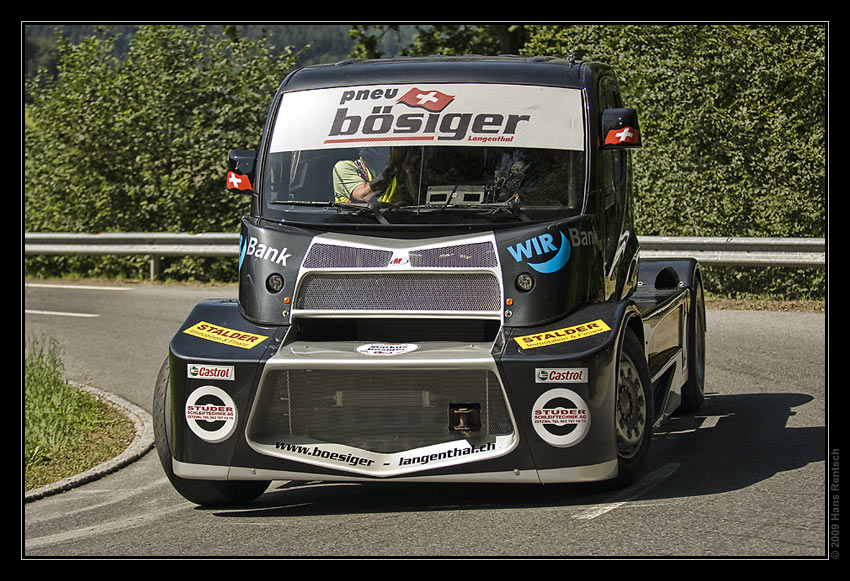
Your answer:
<point x="66" y="430"/>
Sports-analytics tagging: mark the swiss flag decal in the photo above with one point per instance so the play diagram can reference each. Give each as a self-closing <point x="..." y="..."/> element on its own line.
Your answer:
<point x="238" y="182"/>
<point x="433" y="101"/>
<point x="621" y="136"/>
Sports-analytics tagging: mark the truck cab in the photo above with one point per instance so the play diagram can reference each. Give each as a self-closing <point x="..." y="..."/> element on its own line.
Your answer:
<point x="439" y="280"/>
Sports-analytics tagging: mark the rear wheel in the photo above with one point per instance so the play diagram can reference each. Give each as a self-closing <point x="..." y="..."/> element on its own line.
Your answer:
<point x="633" y="410"/>
<point x="203" y="492"/>
<point x="693" y="392"/>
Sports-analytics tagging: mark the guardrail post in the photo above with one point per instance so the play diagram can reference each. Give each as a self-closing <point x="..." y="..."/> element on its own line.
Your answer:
<point x="154" y="267"/>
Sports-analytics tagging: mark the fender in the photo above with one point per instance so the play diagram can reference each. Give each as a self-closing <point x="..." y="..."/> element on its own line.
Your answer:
<point x="587" y="341"/>
<point x="215" y="360"/>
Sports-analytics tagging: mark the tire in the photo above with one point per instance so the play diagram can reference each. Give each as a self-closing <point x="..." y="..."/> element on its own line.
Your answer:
<point x="693" y="392"/>
<point x="634" y="413"/>
<point x="202" y="492"/>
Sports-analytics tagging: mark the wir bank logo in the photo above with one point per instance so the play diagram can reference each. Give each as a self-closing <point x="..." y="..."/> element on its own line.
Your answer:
<point x="544" y="244"/>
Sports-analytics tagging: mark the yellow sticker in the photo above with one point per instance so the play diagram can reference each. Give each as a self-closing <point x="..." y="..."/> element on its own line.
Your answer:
<point x="224" y="335"/>
<point x="563" y="335"/>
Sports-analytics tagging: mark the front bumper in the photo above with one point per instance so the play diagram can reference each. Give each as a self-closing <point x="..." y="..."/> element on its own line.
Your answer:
<point x="434" y="411"/>
<point x="378" y="414"/>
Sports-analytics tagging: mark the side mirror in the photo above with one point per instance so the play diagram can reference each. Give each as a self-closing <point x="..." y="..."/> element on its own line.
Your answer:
<point x="620" y="129"/>
<point x="240" y="175"/>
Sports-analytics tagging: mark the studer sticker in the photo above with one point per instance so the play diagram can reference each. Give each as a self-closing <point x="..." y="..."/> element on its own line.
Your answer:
<point x="563" y="335"/>
<point x="561" y="417"/>
<point x="211" y="414"/>
<point x="224" y="335"/>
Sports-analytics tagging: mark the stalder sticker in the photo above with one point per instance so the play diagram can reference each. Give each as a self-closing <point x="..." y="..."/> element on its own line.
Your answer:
<point x="563" y="335"/>
<point x="211" y="414"/>
<point x="224" y="335"/>
<point x="561" y="417"/>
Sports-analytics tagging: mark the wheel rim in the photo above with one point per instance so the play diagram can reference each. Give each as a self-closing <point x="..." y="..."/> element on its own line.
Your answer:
<point x="630" y="411"/>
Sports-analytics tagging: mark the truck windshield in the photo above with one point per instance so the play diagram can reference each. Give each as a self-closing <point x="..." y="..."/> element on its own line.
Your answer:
<point x="445" y="154"/>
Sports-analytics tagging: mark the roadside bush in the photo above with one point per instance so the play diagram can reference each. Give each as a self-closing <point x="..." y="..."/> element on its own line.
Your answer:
<point x="139" y="143"/>
<point x="734" y="132"/>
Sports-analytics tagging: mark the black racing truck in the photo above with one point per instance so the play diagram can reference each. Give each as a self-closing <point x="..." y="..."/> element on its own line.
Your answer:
<point x="439" y="281"/>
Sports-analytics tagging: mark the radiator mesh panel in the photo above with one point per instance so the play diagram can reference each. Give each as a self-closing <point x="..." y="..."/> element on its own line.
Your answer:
<point x="386" y="411"/>
<point x="332" y="256"/>
<point x="478" y="255"/>
<point x="402" y="291"/>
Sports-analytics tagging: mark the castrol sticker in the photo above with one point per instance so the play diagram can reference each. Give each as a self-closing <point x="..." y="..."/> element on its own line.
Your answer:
<point x="578" y="375"/>
<point x="203" y="371"/>
<point x="211" y="414"/>
<point x="561" y="417"/>
<point x="386" y="349"/>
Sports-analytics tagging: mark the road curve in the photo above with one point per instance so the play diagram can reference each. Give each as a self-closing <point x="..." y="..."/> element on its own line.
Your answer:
<point x="745" y="476"/>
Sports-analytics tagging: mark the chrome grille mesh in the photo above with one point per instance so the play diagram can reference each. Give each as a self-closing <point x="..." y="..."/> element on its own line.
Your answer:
<point x="472" y="255"/>
<point x="383" y="411"/>
<point x="399" y="291"/>
<point x="333" y="256"/>
<point x="478" y="255"/>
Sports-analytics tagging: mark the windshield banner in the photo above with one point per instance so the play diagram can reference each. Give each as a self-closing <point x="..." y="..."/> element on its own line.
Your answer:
<point x="426" y="114"/>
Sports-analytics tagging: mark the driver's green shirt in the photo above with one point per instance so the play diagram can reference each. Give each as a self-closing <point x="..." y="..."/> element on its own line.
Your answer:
<point x="348" y="176"/>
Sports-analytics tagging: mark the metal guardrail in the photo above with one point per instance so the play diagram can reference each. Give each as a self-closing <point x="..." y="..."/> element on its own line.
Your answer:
<point x="133" y="244"/>
<point x="719" y="251"/>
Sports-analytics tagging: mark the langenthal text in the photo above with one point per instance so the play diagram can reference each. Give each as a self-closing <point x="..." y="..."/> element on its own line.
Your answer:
<point x="454" y="453"/>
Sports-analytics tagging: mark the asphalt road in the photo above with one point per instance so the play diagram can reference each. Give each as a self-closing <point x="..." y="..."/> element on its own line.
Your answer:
<point x="746" y="476"/>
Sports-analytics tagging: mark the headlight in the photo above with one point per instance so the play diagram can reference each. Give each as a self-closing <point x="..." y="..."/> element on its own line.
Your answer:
<point x="525" y="282"/>
<point x="274" y="283"/>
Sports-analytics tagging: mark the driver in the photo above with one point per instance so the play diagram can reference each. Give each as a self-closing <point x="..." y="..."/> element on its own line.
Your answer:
<point x="359" y="180"/>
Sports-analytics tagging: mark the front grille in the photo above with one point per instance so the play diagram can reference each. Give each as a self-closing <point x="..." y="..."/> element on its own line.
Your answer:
<point x="476" y="255"/>
<point x="333" y="256"/>
<point x="471" y="255"/>
<point x="385" y="411"/>
<point x="474" y="292"/>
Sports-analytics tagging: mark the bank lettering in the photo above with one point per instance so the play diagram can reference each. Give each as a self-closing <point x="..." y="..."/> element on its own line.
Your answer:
<point x="545" y="244"/>
<point x="257" y="249"/>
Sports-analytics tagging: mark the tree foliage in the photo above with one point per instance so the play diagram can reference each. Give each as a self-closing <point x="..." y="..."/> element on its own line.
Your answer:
<point x="733" y="120"/>
<point x="139" y="143"/>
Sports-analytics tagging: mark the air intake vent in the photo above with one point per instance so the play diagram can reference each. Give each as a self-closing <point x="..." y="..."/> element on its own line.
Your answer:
<point x="480" y="255"/>
<point x="474" y="292"/>
<point x="332" y="256"/>
<point x="383" y="411"/>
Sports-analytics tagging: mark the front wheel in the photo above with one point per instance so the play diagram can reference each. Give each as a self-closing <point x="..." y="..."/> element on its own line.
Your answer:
<point x="203" y="492"/>
<point x="634" y="413"/>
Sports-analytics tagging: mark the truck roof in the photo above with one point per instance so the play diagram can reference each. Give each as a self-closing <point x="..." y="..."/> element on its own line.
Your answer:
<point x="549" y="71"/>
